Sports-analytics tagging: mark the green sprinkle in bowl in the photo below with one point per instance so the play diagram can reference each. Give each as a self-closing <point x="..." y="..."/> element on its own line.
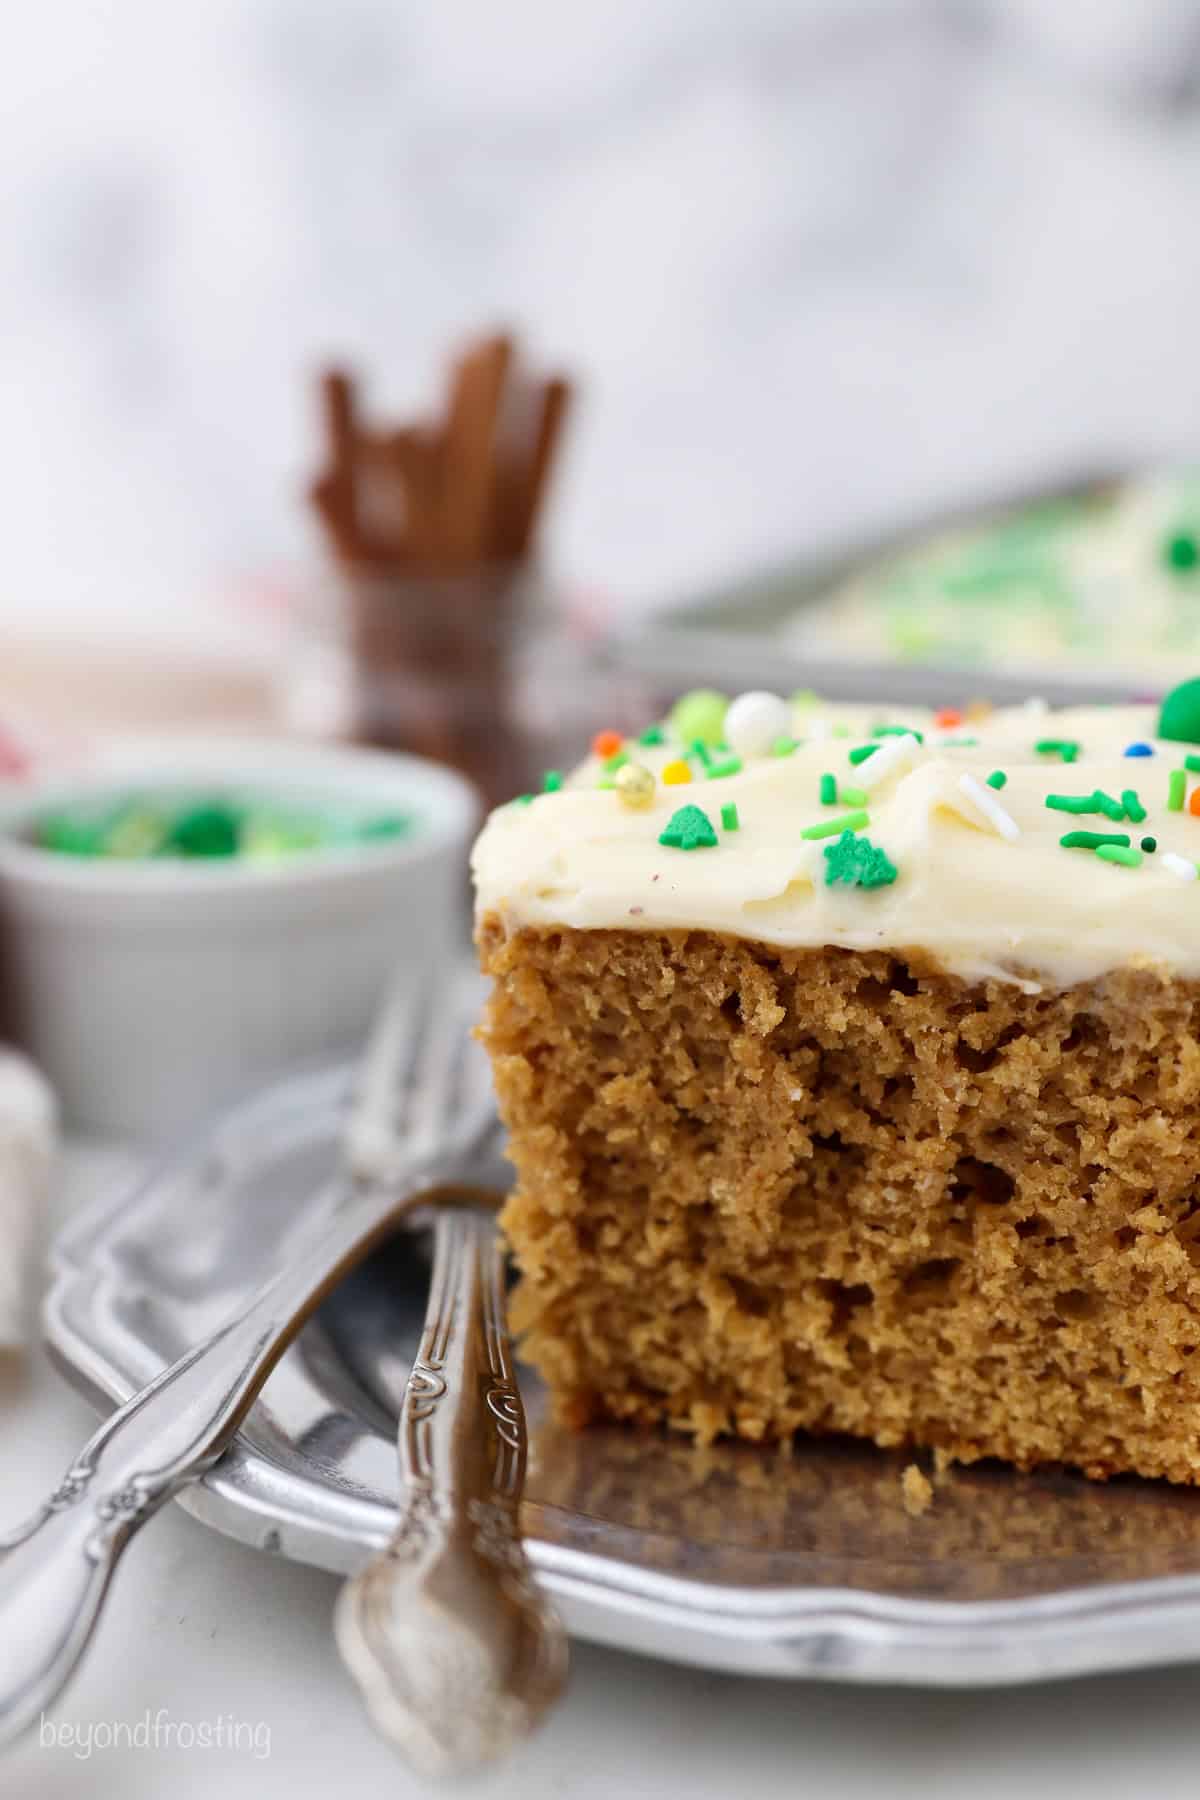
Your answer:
<point x="187" y="918"/>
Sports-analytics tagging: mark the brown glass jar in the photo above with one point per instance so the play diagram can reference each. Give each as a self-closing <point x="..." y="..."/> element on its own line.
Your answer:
<point x="487" y="670"/>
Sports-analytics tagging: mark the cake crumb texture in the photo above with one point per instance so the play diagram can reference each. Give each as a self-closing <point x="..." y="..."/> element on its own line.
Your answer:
<point x="764" y="1190"/>
<point x="916" y="1491"/>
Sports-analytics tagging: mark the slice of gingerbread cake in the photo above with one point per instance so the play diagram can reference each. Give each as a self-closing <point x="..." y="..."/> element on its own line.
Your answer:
<point x="851" y="1062"/>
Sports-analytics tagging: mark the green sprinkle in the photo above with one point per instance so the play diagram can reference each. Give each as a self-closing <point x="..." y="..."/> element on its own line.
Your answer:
<point x="392" y="825"/>
<point x="262" y="840"/>
<point x="1179" y="717"/>
<point x="1067" y="748"/>
<point x="688" y="829"/>
<point x="606" y="784"/>
<point x="855" y="796"/>
<point x="783" y="746"/>
<point x="841" y="729"/>
<point x="614" y="762"/>
<point x="1117" y="853"/>
<point x="1150" y="845"/>
<point x="205" y="831"/>
<point x="1097" y="801"/>
<point x="1092" y="840"/>
<point x="847" y="823"/>
<point x="1181" y="552"/>
<point x="1192" y="764"/>
<point x="858" y="862"/>
<point x="1072" y="803"/>
<point x="729" y="816"/>
<point x="700" y="714"/>
<point x="829" y="790"/>
<point x="700" y="750"/>
<point x="70" y="836"/>
<point x="898" y="731"/>
<point x="653" y="734"/>
<point x="1176" y="790"/>
<point x="729" y="765"/>
<point x="552" y="781"/>
<point x="142" y="828"/>
<point x="136" y="831"/>
<point x="959" y="743"/>
<point x="1133" y="807"/>
<point x="997" y="779"/>
<point x="861" y="753"/>
<point x="523" y="800"/>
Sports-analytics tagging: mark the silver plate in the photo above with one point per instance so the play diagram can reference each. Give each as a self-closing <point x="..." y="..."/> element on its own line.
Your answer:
<point x="731" y="1557"/>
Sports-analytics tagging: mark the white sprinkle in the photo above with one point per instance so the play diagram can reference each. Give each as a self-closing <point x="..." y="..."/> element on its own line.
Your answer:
<point x="816" y="730"/>
<point x="987" y="803"/>
<point x="1036" y="705"/>
<point x="1178" y="865"/>
<point x="755" y="720"/>
<point x="891" y="755"/>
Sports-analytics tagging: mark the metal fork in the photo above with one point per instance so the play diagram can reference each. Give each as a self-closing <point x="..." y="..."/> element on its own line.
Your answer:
<point x="424" y="1103"/>
<point x="457" y="1651"/>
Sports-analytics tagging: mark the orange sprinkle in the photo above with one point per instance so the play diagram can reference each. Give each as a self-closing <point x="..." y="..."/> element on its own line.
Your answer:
<point x="1194" y="802"/>
<point x="947" y="718"/>
<point x="607" y="743"/>
<point x="676" y="773"/>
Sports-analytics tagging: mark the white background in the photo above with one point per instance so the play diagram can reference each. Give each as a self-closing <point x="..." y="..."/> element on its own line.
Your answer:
<point x="817" y="263"/>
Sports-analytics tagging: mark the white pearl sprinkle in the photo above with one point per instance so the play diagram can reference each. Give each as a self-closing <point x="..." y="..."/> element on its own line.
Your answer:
<point x="986" y="802"/>
<point x="1178" y="865"/>
<point x="754" y="721"/>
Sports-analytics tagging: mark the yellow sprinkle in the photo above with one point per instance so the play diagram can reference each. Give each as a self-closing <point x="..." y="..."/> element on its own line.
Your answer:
<point x="676" y="773"/>
<point x="635" y="785"/>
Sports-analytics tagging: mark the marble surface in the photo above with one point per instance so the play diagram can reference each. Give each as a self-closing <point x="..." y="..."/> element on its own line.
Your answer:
<point x="200" y="1630"/>
<point x="819" y="263"/>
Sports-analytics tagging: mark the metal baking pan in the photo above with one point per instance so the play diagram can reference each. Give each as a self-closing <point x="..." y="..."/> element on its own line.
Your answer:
<point x="733" y="637"/>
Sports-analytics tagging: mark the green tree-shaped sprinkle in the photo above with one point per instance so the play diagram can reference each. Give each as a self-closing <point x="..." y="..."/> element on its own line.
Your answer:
<point x="858" y="862"/>
<point x="688" y="829"/>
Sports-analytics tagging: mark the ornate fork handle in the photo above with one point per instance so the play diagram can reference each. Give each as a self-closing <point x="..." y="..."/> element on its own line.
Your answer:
<point x="55" y="1570"/>
<point x="456" y="1650"/>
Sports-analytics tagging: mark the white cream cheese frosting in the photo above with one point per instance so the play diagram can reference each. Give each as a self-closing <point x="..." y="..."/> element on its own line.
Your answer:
<point x="979" y="877"/>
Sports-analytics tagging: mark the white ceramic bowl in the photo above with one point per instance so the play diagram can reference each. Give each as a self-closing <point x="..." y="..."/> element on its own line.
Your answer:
<point x="151" y="991"/>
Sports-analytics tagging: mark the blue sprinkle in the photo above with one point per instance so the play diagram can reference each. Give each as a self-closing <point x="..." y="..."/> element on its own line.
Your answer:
<point x="1139" y="750"/>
